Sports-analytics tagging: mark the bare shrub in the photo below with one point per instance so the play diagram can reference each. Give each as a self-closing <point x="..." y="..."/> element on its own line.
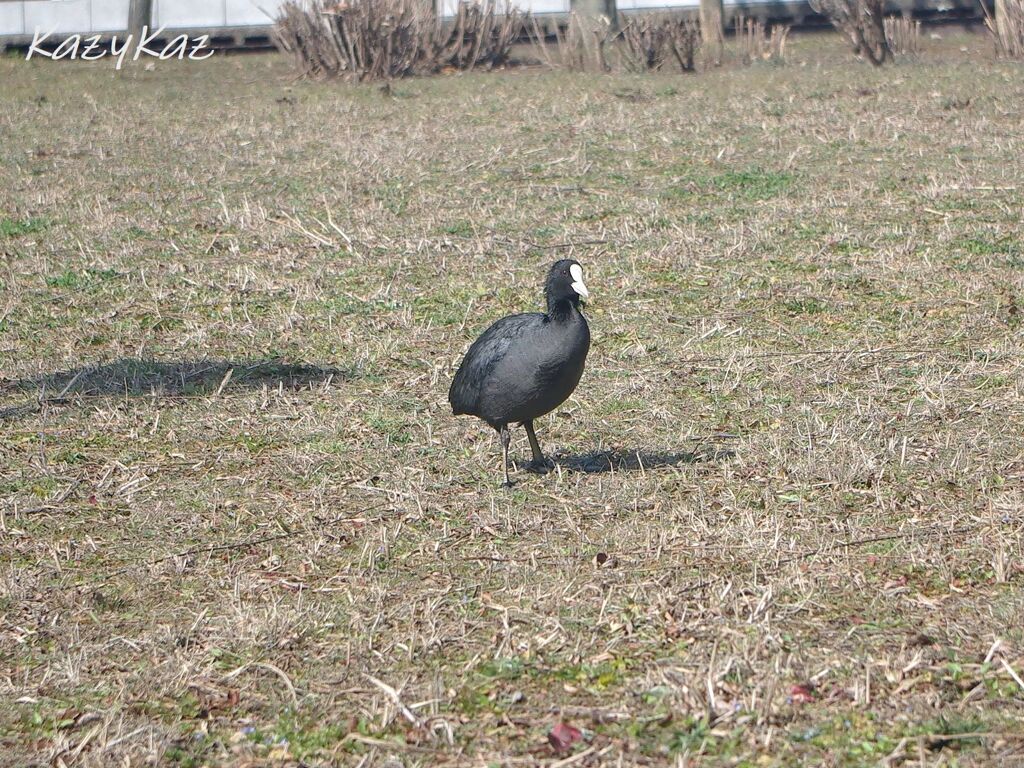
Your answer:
<point x="583" y="46"/>
<point x="651" y="42"/>
<point x="481" y="34"/>
<point x="1007" y="27"/>
<point x="759" y="42"/>
<point x="386" y="39"/>
<point x="903" y="35"/>
<point x="862" y="22"/>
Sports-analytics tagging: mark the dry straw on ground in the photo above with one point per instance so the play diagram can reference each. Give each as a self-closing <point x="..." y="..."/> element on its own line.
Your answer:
<point x="240" y="527"/>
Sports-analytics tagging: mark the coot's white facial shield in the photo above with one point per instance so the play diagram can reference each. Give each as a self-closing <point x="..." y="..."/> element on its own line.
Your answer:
<point x="577" y="281"/>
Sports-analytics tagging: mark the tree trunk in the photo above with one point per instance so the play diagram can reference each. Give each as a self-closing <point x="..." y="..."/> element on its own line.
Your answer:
<point x="712" y="30"/>
<point x="595" y="9"/>
<point x="873" y="21"/>
<point x="140" y="14"/>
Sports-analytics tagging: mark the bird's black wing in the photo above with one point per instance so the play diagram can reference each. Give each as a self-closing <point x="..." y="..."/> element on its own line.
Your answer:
<point x="484" y="354"/>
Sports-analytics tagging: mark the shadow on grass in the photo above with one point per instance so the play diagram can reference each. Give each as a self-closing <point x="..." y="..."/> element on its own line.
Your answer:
<point x="142" y="378"/>
<point x="639" y="460"/>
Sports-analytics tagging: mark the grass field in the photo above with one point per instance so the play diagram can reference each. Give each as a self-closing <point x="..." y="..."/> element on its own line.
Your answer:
<point x="240" y="526"/>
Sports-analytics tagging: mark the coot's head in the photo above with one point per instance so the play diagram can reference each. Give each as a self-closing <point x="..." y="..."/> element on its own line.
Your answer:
<point x="565" y="283"/>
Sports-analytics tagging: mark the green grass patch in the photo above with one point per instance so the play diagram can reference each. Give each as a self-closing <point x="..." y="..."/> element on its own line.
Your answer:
<point x="19" y="227"/>
<point x="754" y="183"/>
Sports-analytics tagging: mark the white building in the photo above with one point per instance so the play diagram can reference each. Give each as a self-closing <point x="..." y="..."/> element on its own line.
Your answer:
<point x="242" y="20"/>
<point x="23" y="18"/>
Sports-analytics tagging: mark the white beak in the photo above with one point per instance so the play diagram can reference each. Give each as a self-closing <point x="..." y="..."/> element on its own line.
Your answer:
<point x="577" y="285"/>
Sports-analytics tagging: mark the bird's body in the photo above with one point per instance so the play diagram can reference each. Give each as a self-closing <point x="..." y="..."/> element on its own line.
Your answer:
<point x="521" y="368"/>
<point x="525" y="366"/>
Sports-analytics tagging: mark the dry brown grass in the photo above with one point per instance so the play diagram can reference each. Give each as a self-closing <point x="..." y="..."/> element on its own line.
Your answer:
<point x="239" y="525"/>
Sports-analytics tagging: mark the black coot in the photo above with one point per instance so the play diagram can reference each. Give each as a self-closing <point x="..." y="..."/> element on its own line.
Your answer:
<point x="526" y="365"/>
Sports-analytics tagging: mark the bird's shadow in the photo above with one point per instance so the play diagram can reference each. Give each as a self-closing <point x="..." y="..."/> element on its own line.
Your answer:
<point x="639" y="460"/>
<point x="131" y="377"/>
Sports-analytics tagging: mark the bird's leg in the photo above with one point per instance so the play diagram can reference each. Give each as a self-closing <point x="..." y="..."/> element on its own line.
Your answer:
<point x="538" y="464"/>
<point x="538" y="457"/>
<point x="504" y="436"/>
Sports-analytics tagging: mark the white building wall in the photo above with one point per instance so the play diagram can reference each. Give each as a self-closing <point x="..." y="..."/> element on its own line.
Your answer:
<point x="449" y="7"/>
<point x="86" y="16"/>
<point x="642" y="4"/>
<point x="244" y="13"/>
<point x="175" y="14"/>
<point x="69" y="16"/>
<point x="25" y="17"/>
<point x="12" y="18"/>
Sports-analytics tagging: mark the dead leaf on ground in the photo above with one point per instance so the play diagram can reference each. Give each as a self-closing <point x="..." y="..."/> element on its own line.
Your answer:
<point x="563" y="736"/>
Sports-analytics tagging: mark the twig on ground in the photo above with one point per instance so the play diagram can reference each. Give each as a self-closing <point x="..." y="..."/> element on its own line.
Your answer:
<point x="396" y="699"/>
<point x="270" y="668"/>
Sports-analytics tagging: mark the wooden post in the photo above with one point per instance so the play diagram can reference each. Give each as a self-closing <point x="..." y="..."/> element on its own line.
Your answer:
<point x="140" y="14"/>
<point x="712" y="29"/>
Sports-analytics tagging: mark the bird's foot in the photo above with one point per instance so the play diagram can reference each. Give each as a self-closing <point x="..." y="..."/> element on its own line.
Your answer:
<point x="541" y="467"/>
<point x="507" y="484"/>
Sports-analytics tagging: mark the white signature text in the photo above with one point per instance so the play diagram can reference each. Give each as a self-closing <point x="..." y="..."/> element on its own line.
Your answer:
<point x="91" y="48"/>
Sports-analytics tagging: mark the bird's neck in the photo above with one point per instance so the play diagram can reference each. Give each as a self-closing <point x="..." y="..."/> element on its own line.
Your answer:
<point x="562" y="310"/>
